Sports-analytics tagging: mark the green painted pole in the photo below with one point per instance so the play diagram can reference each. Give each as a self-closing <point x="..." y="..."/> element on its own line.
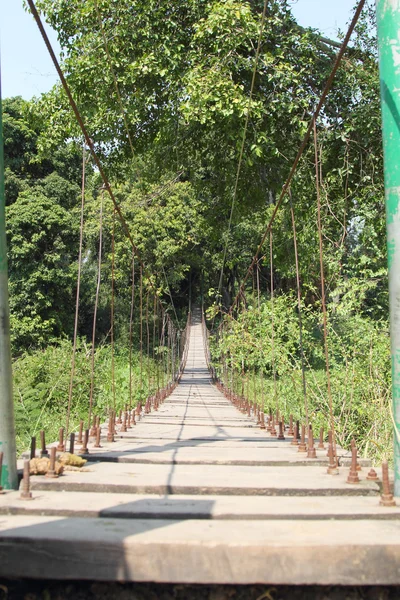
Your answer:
<point x="9" y="478"/>
<point x="388" y="22"/>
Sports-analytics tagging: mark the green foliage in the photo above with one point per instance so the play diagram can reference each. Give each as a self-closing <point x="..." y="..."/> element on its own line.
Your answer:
<point x="184" y="74"/>
<point x="41" y="227"/>
<point x="23" y="125"/>
<point x="42" y="269"/>
<point x="184" y="71"/>
<point x="170" y="229"/>
<point x="41" y="386"/>
<point x="359" y="358"/>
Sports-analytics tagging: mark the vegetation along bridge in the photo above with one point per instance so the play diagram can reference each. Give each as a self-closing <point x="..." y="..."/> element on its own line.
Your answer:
<point x="210" y="412"/>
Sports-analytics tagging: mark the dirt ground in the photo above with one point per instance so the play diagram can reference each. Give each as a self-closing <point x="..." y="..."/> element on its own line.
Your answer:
<point x="47" y="590"/>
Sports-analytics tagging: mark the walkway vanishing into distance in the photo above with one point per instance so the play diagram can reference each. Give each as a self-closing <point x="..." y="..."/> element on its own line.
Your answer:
<point x="196" y="492"/>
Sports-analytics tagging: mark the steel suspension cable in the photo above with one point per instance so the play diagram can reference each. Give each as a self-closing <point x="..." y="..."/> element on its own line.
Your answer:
<point x="78" y="287"/>
<point x="113" y="309"/>
<point x="154" y="338"/>
<point x="162" y="344"/>
<point x="168" y="351"/>
<point x="148" y="343"/>
<point x="141" y="330"/>
<point x="254" y="278"/>
<point x="323" y="297"/>
<point x="299" y="308"/>
<point x="169" y="292"/>
<point x="303" y="144"/>
<point x="131" y="329"/>
<point x="261" y="346"/>
<point x="172" y="337"/>
<point x="96" y="304"/>
<point x="158" y="365"/>
<point x="273" y="357"/>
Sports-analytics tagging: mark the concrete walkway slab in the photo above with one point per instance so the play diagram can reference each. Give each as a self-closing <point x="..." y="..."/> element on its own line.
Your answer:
<point x="139" y="506"/>
<point x="205" y="479"/>
<point x="215" y="551"/>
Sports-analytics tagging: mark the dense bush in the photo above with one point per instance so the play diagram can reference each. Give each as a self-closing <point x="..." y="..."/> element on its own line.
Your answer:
<point x="359" y="356"/>
<point x="41" y="386"/>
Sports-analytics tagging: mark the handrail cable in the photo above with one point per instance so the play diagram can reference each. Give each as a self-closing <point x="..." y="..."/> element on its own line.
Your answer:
<point x="96" y="305"/>
<point x="323" y="297"/>
<point x="273" y="353"/>
<point x="132" y="308"/>
<point x="299" y="308"/>
<point x="112" y="316"/>
<point x="78" y="287"/>
<point x="261" y="344"/>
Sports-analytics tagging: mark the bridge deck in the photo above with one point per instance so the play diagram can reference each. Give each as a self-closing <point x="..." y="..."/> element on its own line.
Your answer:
<point x="197" y="493"/>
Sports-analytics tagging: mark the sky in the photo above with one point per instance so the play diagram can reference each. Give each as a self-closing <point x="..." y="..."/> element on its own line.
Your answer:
<point x="26" y="68"/>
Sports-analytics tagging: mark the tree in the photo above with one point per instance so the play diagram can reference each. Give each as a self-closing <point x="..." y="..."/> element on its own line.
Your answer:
<point x="42" y="269"/>
<point x="24" y="165"/>
<point x="42" y="195"/>
<point x="184" y="74"/>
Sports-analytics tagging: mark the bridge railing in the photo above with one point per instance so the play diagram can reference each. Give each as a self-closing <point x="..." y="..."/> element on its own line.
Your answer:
<point x="207" y="351"/>
<point x="184" y="345"/>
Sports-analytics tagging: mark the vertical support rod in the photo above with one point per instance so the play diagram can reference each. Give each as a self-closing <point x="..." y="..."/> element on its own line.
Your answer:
<point x="96" y="306"/>
<point x="273" y="356"/>
<point x="131" y="329"/>
<point x="388" y="22"/>
<point x="112" y="333"/>
<point x="7" y="424"/>
<point x="299" y="310"/>
<point x="78" y="287"/>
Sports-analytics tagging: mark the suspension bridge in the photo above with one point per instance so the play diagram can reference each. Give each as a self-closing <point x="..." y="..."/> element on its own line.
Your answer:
<point x="201" y="491"/>
<point x="202" y="483"/>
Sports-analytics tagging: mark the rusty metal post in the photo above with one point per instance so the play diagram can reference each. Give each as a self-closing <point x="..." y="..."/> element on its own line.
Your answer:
<point x="290" y="431"/>
<point x="321" y="444"/>
<point x="43" y="452"/>
<point x="302" y="446"/>
<point x="80" y="433"/>
<point x="386" y="496"/>
<point x="52" y="465"/>
<point x="311" y="452"/>
<point x="124" y="422"/>
<point x="353" y="474"/>
<point x="388" y="22"/>
<point x="98" y="438"/>
<point x="61" y="445"/>
<point x="84" y="449"/>
<point x="72" y="443"/>
<point x="33" y="447"/>
<point x="26" y="494"/>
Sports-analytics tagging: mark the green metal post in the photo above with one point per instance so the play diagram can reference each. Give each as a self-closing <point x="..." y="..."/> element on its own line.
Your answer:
<point x="7" y="428"/>
<point x="388" y="21"/>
